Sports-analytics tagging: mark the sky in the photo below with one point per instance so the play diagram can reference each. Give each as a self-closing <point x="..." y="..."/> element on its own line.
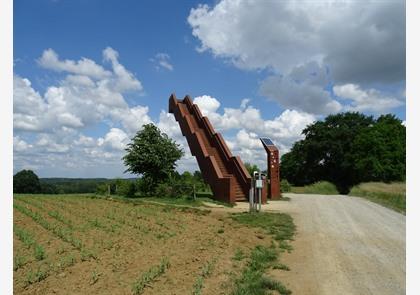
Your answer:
<point x="89" y="74"/>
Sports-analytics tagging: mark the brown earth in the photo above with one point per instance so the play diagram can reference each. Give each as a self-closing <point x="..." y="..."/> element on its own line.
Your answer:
<point x="127" y="240"/>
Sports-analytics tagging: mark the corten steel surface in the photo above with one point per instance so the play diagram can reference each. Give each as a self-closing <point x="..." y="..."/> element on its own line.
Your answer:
<point x="273" y="169"/>
<point x="227" y="176"/>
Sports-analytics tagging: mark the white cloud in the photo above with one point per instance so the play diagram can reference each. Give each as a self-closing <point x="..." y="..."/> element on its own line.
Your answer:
<point x="302" y="90"/>
<point x="207" y="104"/>
<point x="20" y="145"/>
<point x="86" y="96"/>
<point x="359" y="43"/>
<point x="84" y="66"/>
<point x="132" y="118"/>
<point x="284" y="129"/>
<point x="49" y="127"/>
<point x="283" y="34"/>
<point x="125" y="80"/>
<point x="366" y="100"/>
<point x="162" y="61"/>
<point x="115" y="139"/>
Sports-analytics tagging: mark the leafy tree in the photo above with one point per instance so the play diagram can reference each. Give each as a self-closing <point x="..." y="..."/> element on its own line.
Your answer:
<point x="339" y="149"/>
<point x="379" y="152"/>
<point x="152" y="154"/>
<point x="26" y="182"/>
<point x="251" y="168"/>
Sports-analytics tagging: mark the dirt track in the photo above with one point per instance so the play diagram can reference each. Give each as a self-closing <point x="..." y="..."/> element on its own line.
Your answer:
<point x="344" y="245"/>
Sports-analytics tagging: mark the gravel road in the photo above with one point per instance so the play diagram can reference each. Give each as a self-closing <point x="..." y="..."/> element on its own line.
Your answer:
<point x="344" y="245"/>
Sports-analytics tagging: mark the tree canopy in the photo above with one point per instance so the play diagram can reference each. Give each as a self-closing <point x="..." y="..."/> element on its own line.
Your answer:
<point x="152" y="154"/>
<point x="26" y="182"/>
<point x="346" y="149"/>
<point x="251" y="168"/>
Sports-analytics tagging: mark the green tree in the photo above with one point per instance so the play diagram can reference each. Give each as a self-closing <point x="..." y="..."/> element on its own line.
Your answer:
<point x="379" y="152"/>
<point x="339" y="149"/>
<point x="251" y="168"/>
<point x="152" y="154"/>
<point x="26" y="182"/>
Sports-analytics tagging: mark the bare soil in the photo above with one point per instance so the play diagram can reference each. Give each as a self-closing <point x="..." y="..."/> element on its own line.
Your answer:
<point x="127" y="240"/>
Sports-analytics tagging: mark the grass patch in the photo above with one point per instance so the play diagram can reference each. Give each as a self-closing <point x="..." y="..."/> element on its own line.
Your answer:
<point x="391" y="195"/>
<point x="279" y="225"/>
<point x="253" y="281"/>
<point x="39" y="252"/>
<point x="149" y="276"/>
<point x="281" y="266"/>
<point x="66" y="261"/>
<point x="321" y="187"/>
<point x="18" y="262"/>
<point x="23" y="235"/>
<point x="204" y="273"/>
<point x="35" y="276"/>
<point x="239" y="255"/>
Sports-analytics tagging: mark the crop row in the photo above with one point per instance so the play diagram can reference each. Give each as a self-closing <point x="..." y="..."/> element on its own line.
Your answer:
<point x="29" y="242"/>
<point x="62" y="233"/>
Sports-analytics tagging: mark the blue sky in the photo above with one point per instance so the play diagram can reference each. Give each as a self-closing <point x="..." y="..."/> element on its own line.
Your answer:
<point x="137" y="30"/>
<point x="254" y="69"/>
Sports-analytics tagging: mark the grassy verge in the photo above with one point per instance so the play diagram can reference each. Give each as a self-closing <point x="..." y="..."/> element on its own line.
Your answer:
<point x="279" y="225"/>
<point x="252" y="279"/>
<point x="391" y="195"/>
<point x="321" y="187"/>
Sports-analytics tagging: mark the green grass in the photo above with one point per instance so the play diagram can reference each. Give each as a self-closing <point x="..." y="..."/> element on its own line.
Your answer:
<point x="239" y="255"/>
<point x="321" y="187"/>
<point x="253" y="281"/>
<point x="391" y="195"/>
<point x="279" y="225"/>
<point x="23" y="235"/>
<point x="149" y="276"/>
<point x="18" y="261"/>
<point x="204" y="273"/>
<point x="35" y="276"/>
<point x="39" y="252"/>
<point x="28" y="240"/>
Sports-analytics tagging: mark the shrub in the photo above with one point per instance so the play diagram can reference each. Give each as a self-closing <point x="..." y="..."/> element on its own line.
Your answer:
<point x="285" y="186"/>
<point x="102" y="189"/>
<point x="126" y="188"/>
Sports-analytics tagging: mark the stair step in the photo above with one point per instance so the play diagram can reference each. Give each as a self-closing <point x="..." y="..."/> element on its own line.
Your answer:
<point x="214" y="151"/>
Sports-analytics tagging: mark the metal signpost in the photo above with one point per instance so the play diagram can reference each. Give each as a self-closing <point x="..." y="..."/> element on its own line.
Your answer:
<point x="255" y="193"/>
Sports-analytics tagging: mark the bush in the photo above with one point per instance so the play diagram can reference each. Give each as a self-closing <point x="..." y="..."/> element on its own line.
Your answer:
<point x="174" y="189"/>
<point x="102" y="189"/>
<point x="285" y="186"/>
<point x="127" y="189"/>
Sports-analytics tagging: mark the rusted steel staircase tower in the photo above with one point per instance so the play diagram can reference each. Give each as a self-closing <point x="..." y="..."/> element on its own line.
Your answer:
<point x="227" y="176"/>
